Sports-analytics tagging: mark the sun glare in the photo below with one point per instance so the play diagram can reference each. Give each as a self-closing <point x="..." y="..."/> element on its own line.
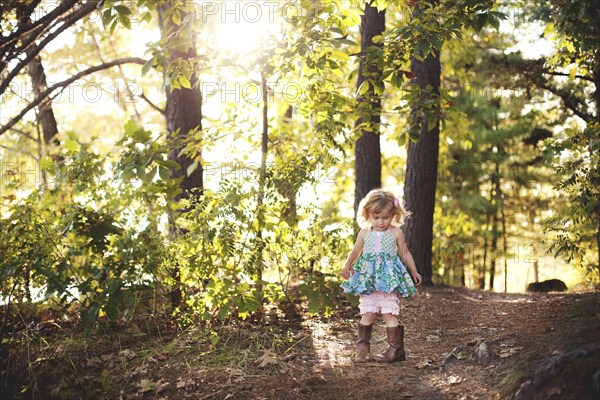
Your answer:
<point x="240" y="28"/>
<point x="239" y="38"/>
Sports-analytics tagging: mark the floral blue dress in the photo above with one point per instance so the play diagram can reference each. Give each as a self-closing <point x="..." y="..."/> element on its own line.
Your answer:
<point x="379" y="269"/>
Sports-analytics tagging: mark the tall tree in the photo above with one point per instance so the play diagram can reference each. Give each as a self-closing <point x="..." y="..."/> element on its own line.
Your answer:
<point x="184" y="99"/>
<point x="183" y="111"/>
<point x="574" y="25"/>
<point x="422" y="161"/>
<point x="368" y="148"/>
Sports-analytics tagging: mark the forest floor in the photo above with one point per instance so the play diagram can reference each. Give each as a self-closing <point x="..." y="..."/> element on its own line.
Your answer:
<point x="461" y="344"/>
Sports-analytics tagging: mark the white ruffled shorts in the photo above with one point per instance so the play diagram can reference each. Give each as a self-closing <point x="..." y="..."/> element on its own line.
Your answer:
<point x="379" y="302"/>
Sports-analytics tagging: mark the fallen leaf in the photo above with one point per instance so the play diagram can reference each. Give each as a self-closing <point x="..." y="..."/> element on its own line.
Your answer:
<point x="459" y="355"/>
<point x="298" y="335"/>
<point x="551" y="391"/>
<point x="423" y="364"/>
<point x="160" y="386"/>
<point x="146" y="385"/>
<point x="93" y="362"/>
<point x="268" y="357"/>
<point x="184" y="383"/>
<point x="432" y="338"/>
<point x="234" y="372"/>
<point x="127" y="353"/>
<point x="453" y="379"/>
<point x="509" y="352"/>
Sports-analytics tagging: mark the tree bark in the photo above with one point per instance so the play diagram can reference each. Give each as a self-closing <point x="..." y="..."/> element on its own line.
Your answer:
<point x="483" y="269"/>
<point x="183" y="111"/>
<point x="497" y="196"/>
<point x="45" y="112"/>
<point x="368" y="149"/>
<point x="184" y="117"/>
<point x="37" y="74"/>
<point x="421" y="170"/>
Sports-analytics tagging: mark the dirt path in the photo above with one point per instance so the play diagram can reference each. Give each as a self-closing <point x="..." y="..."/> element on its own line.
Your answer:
<point x="293" y="356"/>
<point x="521" y="332"/>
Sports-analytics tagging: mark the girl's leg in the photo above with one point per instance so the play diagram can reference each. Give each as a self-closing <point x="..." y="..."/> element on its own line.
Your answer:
<point x="363" y="346"/>
<point x="395" y="336"/>
<point x="368" y="318"/>
<point x="390" y="320"/>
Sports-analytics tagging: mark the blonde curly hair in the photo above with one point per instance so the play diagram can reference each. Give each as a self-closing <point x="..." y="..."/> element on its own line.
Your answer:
<point x="378" y="200"/>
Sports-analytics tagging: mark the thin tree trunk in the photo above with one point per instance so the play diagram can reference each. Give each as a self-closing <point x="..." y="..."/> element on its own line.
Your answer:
<point x="497" y="200"/>
<point x="286" y="187"/>
<point x="262" y="177"/>
<point x="504" y="245"/>
<point x="485" y="250"/>
<point x="368" y="149"/>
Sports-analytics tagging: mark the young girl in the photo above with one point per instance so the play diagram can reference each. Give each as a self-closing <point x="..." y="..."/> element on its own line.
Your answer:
<point x="374" y="271"/>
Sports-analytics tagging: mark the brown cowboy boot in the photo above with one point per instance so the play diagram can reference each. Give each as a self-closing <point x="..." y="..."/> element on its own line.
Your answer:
<point x="395" y="351"/>
<point x="363" y="346"/>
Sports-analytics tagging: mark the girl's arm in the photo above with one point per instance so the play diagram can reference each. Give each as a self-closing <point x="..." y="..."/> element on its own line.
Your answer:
<point x="407" y="257"/>
<point x="354" y="254"/>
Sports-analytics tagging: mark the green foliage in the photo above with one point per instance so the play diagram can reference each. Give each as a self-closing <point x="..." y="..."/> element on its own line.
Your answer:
<point x="576" y="159"/>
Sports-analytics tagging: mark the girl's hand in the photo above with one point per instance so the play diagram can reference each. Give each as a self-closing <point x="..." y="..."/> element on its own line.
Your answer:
<point x="347" y="271"/>
<point x="417" y="278"/>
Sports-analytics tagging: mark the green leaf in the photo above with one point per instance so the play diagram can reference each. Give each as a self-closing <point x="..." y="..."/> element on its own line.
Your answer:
<point x="164" y="173"/>
<point x="481" y="21"/>
<point x="125" y="21"/>
<point x="170" y="164"/>
<point x="348" y="42"/>
<point x="90" y="314"/>
<point x="363" y="88"/>
<point x="130" y="127"/>
<point x="176" y="17"/>
<point x="147" y="17"/>
<point x="71" y="146"/>
<point x="339" y="55"/>
<point x="147" y="65"/>
<point x="107" y="17"/>
<point x="378" y="39"/>
<point x="379" y="88"/>
<point x="123" y="10"/>
<point x="185" y="82"/>
<point x="192" y="168"/>
<point x="113" y="26"/>
<point x="46" y="163"/>
<point x="494" y="22"/>
<point x="431" y="122"/>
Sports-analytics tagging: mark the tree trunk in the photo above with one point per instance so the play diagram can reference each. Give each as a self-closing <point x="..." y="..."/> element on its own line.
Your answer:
<point x="504" y="245"/>
<point x="184" y="109"/>
<point x="485" y="253"/>
<point x="37" y="74"/>
<point x="497" y="195"/>
<point x="368" y="150"/>
<point x="262" y="180"/>
<point x="184" y="117"/>
<point x="286" y="187"/>
<point x="45" y="112"/>
<point x="421" y="169"/>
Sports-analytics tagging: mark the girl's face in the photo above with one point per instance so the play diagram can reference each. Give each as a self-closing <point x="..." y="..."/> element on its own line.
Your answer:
<point x="381" y="221"/>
